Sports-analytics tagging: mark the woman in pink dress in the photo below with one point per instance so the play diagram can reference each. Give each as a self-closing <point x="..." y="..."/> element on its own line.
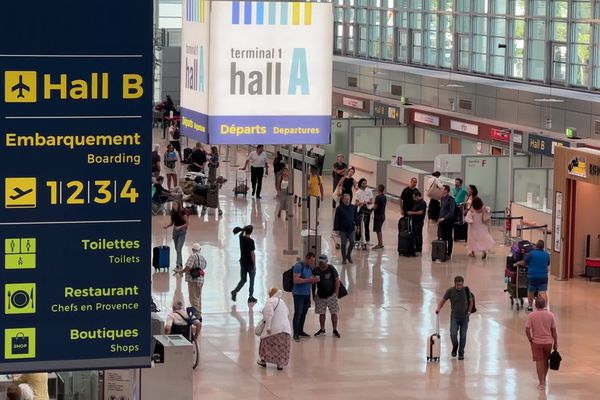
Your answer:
<point x="479" y="238"/>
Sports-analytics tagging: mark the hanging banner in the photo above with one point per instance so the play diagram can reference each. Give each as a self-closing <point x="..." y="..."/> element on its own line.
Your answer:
<point x="194" y="70"/>
<point x="75" y="139"/>
<point x="274" y="66"/>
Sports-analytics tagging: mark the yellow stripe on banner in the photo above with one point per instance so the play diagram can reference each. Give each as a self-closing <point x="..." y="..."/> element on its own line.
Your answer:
<point x="296" y="13"/>
<point x="202" y="10"/>
<point x="308" y="14"/>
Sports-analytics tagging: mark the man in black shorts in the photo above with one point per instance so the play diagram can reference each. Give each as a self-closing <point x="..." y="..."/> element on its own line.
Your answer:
<point x="379" y="215"/>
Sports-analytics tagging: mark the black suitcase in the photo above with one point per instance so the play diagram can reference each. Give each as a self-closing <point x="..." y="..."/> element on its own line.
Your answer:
<point x="406" y="244"/>
<point x="460" y="232"/>
<point x="439" y="250"/>
<point x="187" y="156"/>
<point x="404" y="225"/>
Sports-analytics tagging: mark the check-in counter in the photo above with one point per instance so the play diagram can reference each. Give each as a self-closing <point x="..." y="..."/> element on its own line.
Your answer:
<point x="532" y="216"/>
<point x="398" y="177"/>
<point x="373" y="169"/>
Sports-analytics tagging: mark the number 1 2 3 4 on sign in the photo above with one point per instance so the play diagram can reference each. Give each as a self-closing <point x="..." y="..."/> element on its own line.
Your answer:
<point x="91" y="192"/>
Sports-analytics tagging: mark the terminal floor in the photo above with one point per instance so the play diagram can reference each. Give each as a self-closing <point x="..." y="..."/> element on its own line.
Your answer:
<point x="384" y="321"/>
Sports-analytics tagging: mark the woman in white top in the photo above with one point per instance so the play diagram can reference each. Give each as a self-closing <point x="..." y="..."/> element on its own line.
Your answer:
<point x="364" y="200"/>
<point x="281" y="185"/>
<point x="275" y="338"/>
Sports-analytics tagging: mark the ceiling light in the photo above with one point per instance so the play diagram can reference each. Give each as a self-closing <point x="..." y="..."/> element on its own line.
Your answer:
<point x="454" y="85"/>
<point x="549" y="100"/>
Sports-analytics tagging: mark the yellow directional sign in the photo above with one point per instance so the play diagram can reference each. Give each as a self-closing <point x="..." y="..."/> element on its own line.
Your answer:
<point x="19" y="343"/>
<point x="20" y="193"/>
<point x="20" y="86"/>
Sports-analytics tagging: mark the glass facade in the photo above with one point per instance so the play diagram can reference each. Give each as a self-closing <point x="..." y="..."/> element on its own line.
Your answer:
<point x="550" y="41"/>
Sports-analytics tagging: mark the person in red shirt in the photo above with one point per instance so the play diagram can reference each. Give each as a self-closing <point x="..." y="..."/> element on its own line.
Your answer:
<point x="541" y="332"/>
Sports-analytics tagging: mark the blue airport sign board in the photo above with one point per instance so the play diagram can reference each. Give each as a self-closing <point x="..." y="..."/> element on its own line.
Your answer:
<point x="75" y="138"/>
<point x="544" y="145"/>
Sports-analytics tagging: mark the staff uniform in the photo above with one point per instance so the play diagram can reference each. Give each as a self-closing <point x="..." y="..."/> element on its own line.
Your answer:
<point x="258" y="163"/>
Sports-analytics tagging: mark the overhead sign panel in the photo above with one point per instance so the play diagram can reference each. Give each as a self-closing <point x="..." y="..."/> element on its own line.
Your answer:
<point x="75" y="139"/>
<point x="194" y="69"/>
<point x="274" y="66"/>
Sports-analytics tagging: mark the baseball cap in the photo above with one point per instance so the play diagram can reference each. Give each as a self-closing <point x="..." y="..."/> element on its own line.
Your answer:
<point x="196" y="247"/>
<point x="323" y="258"/>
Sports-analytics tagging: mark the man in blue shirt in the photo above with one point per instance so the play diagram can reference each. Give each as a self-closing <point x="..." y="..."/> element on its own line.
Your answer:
<point x="303" y="280"/>
<point x="537" y="262"/>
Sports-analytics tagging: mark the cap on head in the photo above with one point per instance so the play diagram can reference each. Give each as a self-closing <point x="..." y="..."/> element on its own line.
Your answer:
<point x="196" y="247"/>
<point x="323" y="258"/>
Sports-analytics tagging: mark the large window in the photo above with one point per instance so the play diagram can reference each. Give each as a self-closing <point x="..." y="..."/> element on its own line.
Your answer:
<point x="551" y="41"/>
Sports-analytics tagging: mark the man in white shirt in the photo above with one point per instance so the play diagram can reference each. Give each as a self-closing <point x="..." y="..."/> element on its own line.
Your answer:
<point x="258" y="167"/>
<point x="364" y="201"/>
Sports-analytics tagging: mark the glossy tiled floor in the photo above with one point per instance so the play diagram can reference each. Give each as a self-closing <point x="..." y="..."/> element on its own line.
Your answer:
<point x="384" y="321"/>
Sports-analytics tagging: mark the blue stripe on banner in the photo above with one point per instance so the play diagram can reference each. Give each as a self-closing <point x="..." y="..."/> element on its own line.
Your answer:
<point x="284" y="13"/>
<point x="247" y="12"/>
<point x="272" y="10"/>
<point x="260" y="12"/>
<point x="235" y="14"/>
<point x="187" y="10"/>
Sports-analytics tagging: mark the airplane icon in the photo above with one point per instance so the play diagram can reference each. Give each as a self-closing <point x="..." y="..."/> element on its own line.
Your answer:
<point x="20" y="193"/>
<point x="20" y="87"/>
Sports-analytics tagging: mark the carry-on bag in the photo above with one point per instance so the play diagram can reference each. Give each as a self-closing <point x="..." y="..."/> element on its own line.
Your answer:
<point x="161" y="255"/>
<point x="434" y="343"/>
<point x="439" y="250"/>
<point x="460" y="232"/>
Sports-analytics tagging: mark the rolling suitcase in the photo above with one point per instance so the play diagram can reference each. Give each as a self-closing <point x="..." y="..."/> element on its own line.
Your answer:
<point x="406" y="239"/>
<point x="460" y="232"/>
<point x="434" y="343"/>
<point x="439" y="250"/>
<point x="161" y="255"/>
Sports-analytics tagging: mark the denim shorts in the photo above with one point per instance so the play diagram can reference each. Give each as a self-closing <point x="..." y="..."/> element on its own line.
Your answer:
<point x="537" y="284"/>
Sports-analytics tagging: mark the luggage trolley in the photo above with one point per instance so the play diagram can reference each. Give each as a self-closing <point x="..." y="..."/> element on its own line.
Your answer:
<point x="212" y="198"/>
<point x="241" y="183"/>
<point x="360" y="237"/>
<point x="516" y="284"/>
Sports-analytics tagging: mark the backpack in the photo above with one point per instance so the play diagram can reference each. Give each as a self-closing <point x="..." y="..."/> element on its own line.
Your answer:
<point x="288" y="280"/>
<point x="472" y="296"/>
<point x="176" y="134"/>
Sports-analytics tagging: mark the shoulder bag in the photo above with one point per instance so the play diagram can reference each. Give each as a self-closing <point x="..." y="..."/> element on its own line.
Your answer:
<point x="259" y="329"/>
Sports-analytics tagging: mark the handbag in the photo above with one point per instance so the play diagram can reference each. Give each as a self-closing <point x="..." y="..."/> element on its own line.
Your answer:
<point x="196" y="272"/>
<point x="342" y="292"/>
<point x="555" y="360"/>
<point x="260" y="328"/>
<point x="434" y="191"/>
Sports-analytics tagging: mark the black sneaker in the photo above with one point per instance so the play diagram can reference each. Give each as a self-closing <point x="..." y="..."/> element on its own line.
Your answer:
<point x="304" y="334"/>
<point x="296" y="338"/>
<point x="251" y="299"/>
<point x="454" y="350"/>
<point x="350" y="260"/>
<point x="321" y="332"/>
<point x="529" y="309"/>
<point x="233" y="295"/>
<point x="336" y="334"/>
<point x="461" y="356"/>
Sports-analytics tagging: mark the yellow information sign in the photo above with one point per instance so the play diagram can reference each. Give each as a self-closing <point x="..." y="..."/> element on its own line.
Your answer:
<point x="19" y="343"/>
<point x="20" y="86"/>
<point x="19" y="298"/>
<point x="20" y="193"/>
<point x="19" y="253"/>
